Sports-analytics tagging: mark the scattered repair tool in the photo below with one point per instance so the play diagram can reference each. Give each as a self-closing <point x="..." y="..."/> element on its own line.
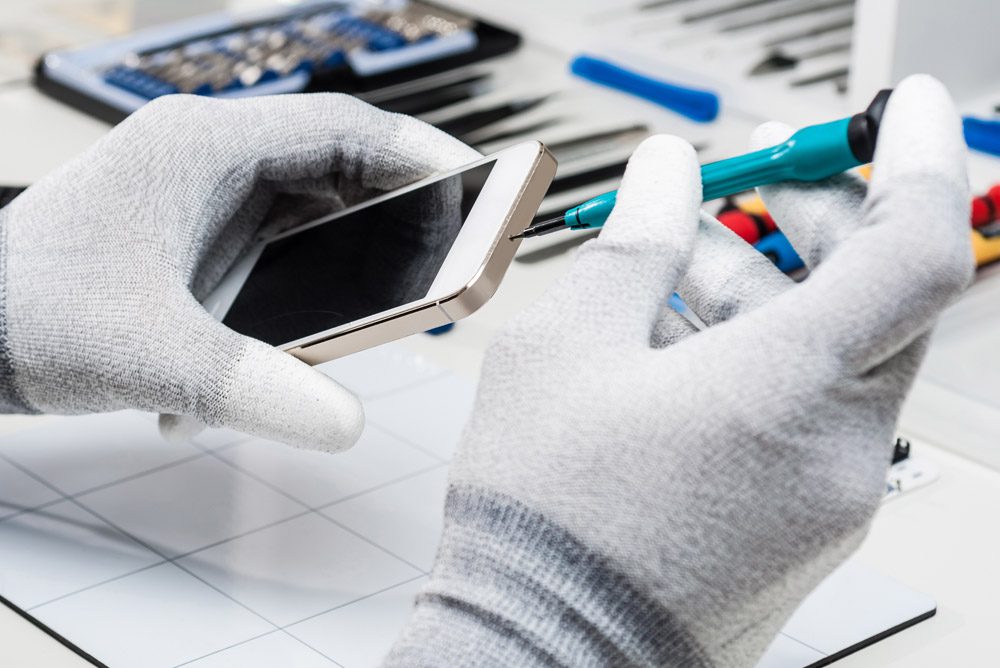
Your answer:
<point x="813" y="153"/>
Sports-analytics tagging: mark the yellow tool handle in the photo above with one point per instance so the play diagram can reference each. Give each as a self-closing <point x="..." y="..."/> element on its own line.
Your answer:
<point x="985" y="249"/>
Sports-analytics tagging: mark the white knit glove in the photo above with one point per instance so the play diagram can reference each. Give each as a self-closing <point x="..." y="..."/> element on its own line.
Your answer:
<point x="103" y="263"/>
<point x="632" y="492"/>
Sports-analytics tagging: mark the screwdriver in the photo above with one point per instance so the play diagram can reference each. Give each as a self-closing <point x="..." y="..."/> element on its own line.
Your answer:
<point x="813" y="153"/>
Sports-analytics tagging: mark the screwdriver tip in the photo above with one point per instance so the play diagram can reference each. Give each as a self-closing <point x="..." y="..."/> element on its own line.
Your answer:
<point x="543" y="227"/>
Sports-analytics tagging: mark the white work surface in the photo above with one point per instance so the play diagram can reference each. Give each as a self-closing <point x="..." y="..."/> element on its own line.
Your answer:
<point x="939" y="539"/>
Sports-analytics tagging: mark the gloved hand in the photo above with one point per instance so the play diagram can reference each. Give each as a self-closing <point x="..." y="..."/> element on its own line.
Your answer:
<point x="104" y="262"/>
<point x="632" y="492"/>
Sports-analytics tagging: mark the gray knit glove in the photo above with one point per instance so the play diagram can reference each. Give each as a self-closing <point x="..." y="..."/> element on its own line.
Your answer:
<point x="617" y="503"/>
<point x="103" y="263"/>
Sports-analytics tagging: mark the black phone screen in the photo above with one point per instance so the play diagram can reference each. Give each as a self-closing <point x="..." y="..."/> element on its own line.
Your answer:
<point x="374" y="259"/>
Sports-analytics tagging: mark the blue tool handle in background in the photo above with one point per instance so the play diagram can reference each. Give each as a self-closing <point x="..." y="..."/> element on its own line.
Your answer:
<point x="698" y="105"/>
<point x="982" y="134"/>
<point x="778" y="249"/>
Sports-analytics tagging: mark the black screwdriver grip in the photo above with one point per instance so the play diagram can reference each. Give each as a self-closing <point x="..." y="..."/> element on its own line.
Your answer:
<point x="862" y="130"/>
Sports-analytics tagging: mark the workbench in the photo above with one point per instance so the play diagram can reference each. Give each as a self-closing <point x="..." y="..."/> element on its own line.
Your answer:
<point x="939" y="539"/>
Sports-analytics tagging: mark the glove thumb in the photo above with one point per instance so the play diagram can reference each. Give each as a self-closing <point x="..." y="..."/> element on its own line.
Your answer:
<point x="247" y="385"/>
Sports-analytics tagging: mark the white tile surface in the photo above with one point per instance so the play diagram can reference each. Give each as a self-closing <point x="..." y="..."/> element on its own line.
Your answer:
<point x="214" y="439"/>
<point x="153" y="619"/>
<point x="19" y="491"/>
<point x="318" y="478"/>
<point x="406" y="517"/>
<point x="430" y="415"/>
<point x="276" y="649"/>
<point x="352" y="597"/>
<point x="785" y="652"/>
<point x="360" y="635"/>
<point x="377" y="371"/>
<point x="189" y="506"/>
<point x="841" y="611"/>
<point x="298" y="568"/>
<point x="80" y="453"/>
<point x="60" y="549"/>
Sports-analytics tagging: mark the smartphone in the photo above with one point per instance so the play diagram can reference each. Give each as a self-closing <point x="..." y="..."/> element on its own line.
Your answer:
<point x="405" y="262"/>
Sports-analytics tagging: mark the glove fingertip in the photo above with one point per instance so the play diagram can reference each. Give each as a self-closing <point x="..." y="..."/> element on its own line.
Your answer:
<point x="662" y="178"/>
<point x="342" y="424"/>
<point x="920" y="134"/>
<point x="279" y="397"/>
<point x="431" y="150"/>
<point x="179" y="428"/>
<point x="769" y="134"/>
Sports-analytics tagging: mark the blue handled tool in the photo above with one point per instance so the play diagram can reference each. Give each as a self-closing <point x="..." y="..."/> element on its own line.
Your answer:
<point x="778" y="249"/>
<point x="982" y="134"/>
<point x="698" y="105"/>
<point x="813" y="153"/>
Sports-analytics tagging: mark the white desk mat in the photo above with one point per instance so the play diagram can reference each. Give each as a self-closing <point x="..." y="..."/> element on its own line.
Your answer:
<point x="231" y="551"/>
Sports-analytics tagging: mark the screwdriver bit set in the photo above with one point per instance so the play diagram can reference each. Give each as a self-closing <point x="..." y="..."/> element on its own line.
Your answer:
<point x="247" y="58"/>
<point x="339" y="46"/>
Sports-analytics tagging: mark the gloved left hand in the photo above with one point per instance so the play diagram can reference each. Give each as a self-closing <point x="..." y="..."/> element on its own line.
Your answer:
<point x="104" y="262"/>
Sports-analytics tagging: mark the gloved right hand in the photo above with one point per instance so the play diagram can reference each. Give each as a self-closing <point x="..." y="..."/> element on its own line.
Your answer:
<point x="632" y="492"/>
<point x="104" y="262"/>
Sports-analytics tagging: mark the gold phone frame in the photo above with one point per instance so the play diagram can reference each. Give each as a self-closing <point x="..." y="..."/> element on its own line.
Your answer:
<point x="435" y="312"/>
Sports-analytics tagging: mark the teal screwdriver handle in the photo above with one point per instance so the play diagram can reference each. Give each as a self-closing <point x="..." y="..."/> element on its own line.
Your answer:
<point x="813" y="153"/>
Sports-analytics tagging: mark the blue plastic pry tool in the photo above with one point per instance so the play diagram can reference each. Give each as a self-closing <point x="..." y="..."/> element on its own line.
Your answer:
<point x="442" y="329"/>
<point x="779" y="250"/>
<point x="982" y="134"/>
<point x="698" y="105"/>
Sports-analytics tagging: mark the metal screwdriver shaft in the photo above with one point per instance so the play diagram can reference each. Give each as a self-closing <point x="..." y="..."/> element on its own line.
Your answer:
<point x="544" y="227"/>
